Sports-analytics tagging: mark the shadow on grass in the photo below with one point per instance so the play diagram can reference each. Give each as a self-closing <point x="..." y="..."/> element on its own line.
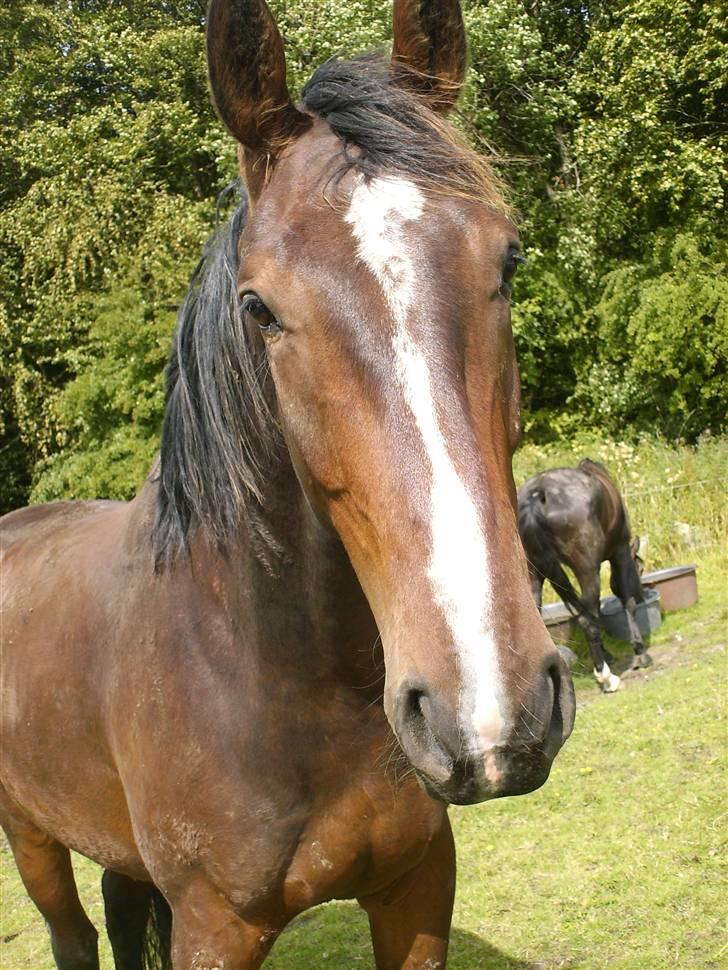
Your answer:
<point x="470" y="952"/>
<point x="336" y="935"/>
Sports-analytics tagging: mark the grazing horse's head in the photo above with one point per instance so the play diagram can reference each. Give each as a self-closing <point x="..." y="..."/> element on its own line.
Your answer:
<point x="375" y="266"/>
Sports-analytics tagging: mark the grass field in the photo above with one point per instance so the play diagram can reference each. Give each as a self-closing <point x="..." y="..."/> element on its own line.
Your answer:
<point x="619" y="861"/>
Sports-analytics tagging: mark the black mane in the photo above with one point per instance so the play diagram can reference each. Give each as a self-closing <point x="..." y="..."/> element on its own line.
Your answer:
<point x="385" y="126"/>
<point x="219" y="430"/>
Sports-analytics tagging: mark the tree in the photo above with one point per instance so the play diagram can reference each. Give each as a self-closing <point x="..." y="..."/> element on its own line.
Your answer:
<point x="111" y="144"/>
<point x="652" y="142"/>
<point x="610" y="125"/>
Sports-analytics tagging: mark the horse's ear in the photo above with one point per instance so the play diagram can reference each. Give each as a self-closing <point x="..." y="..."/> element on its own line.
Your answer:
<point x="429" y="42"/>
<point x="247" y="69"/>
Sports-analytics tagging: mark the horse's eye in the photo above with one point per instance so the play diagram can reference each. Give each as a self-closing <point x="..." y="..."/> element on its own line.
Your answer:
<point x="512" y="262"/>
<point x="255" y="308"/>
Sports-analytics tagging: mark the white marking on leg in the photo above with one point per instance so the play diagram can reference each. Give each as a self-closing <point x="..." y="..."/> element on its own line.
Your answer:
<point x="458" y="567"/>
<point x="609" y="681"/>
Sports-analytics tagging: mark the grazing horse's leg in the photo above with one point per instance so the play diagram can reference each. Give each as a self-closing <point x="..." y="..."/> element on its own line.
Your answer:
<point x="590" y="589"/>
<point x="45" y="868"/>
<point x="641" y="656"/>
<point x="410" y="921"/>
<point x="625" y="583"/>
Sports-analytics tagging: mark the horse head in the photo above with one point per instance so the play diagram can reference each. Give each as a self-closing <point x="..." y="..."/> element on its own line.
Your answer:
<point x="375" y="269"/>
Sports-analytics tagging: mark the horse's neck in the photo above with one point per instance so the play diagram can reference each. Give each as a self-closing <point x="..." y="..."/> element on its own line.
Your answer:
<point x="293" y="575"/>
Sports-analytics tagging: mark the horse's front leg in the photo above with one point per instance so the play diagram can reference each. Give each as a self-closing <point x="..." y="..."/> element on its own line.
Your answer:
<point x="410" y="921"/>
<point x="641" y="656"/>
<point x="590" y="590"/>
<point x="626" y="585"/>
<point x="207" y="934"/>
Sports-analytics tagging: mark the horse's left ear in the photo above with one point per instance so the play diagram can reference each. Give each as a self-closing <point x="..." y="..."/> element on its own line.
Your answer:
<point x="429" y="38"/>
<point x="247" y="69"/>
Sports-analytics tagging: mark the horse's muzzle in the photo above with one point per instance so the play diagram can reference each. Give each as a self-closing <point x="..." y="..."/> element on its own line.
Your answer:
<point x="453" y="767"/>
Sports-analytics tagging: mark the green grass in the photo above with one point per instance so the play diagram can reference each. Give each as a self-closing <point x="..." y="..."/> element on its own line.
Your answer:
<point x="616" y="862"/>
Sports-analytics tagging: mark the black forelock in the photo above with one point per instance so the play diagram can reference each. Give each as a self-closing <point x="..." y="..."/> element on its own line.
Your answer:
<point x="385" y="126"/>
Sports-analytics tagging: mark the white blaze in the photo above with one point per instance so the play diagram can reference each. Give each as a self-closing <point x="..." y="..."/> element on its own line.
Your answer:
<point x="458" y="567"/>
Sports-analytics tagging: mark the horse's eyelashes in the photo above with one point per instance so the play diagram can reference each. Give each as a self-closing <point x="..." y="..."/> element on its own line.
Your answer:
<point x="513" y="260"/>
<point x="267" y="323"/>
<point x="253" y="305"/>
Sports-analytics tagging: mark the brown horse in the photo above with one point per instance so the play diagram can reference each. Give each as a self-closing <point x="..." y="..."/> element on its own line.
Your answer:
<point x="577" y="516"/>
<point x="258" y="684"/>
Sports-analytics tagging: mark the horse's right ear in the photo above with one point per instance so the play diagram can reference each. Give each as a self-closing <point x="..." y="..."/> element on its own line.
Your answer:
<point x="429" y="42"/>
<point x="247" y="69"/>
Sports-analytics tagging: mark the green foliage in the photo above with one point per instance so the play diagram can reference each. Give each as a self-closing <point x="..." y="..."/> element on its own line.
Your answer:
<point x="110" y="414"/>
<point x="662" y="357"/>
<point x="607" y="119"/>
<point x="315" y="31"/>
<point x="613" y="116"/>
<point x="114" y="155"/>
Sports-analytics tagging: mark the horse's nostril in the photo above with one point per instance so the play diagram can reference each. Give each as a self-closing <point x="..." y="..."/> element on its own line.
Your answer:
<point x="426" y="730"/>
<point x="547" y="717"/>
<point x="554" y="681"/>
<point x="561" y="702"/>
<point x="414" y="714"/>
<point x="421" y="716"/>
<point x="553" y="672"/>
<point x="413" y="700"/>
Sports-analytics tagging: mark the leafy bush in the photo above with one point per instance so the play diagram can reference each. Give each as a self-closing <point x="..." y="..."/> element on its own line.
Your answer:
<point x="663" y="349"/>
<point x="607" y="120"/>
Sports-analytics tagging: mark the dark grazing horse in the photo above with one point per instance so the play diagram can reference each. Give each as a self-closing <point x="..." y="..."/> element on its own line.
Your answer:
<point x="577" y="516"/>
<point x="258" y="684"/>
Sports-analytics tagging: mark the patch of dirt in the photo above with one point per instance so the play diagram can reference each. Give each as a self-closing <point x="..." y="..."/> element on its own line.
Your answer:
<point x="676" y="652"/>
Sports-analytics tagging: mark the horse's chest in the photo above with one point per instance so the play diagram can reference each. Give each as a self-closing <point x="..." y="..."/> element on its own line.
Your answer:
<point x="362" y="843"/>
<point x="296" y="818"/>
<point x="350" y="846"/>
